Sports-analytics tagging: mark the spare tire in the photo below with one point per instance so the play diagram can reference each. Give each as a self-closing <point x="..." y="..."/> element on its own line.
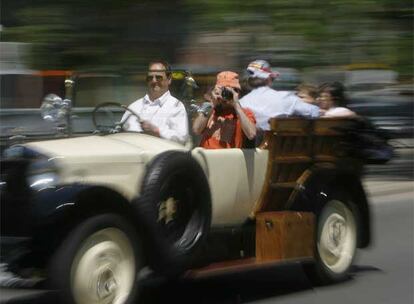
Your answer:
<point x="175" y="206"/>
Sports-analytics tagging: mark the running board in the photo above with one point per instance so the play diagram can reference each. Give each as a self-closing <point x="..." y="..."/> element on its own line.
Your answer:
<point x="235" y="266"/>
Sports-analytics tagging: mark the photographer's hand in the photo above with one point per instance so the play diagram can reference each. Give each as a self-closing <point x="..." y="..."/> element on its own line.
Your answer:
<point x="216" y="93"/>
<point x="235" y="99"/>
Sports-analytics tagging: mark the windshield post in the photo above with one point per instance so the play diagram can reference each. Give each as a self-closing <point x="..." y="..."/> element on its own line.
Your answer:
<point x="69" y="84"/>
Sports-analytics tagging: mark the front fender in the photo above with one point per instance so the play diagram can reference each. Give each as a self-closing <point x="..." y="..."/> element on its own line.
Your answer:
<point x="56" y="211"/>
<point x="50" y="204"/>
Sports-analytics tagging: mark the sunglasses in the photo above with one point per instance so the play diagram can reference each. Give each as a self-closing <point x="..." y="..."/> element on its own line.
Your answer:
<point x="157" y="77"/>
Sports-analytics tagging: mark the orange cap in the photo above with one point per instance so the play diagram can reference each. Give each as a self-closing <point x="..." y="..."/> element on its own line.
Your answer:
<point x="228" y="79"/>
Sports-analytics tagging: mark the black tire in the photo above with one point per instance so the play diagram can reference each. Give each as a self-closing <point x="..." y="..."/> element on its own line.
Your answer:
<point x="98" y="261"/>
<point x="336" y="238"/>
<point x="175" y="205"/>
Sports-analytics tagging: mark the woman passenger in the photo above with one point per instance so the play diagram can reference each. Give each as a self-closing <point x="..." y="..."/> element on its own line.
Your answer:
<point x="332" y="100"/>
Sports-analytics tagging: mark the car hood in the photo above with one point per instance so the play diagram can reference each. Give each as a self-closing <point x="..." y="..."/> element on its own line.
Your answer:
<point x="115" y="147"/>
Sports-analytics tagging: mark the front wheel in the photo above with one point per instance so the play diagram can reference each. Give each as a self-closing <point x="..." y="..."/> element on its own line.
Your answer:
<point x="97" y="263"/>
<point x="336" y="240"/>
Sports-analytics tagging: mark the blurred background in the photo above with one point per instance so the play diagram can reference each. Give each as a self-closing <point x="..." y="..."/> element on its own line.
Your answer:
<point x="107" y="44"/>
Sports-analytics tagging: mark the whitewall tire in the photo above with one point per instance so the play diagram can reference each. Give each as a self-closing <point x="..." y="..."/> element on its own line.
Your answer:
<point x="336" y="237"/>
<point x="335" y="241"/>
<point x="98" y="262"/>
<point x="103" y="269"/>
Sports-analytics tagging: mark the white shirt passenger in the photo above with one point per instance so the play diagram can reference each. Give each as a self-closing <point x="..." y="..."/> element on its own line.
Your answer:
<point x="266" y="103"/>
<point x="167" y="113"/>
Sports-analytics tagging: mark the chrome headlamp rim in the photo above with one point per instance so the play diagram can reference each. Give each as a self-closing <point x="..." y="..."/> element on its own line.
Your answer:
<point x="41" y="172"/>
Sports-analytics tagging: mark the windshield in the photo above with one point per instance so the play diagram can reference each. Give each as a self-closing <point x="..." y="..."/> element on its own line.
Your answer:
<point x="22" y="94"/>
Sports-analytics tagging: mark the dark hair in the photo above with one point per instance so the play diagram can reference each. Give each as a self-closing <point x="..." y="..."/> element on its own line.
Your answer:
<point x="310" y="89"/>
<point x="337" y="91"/>
<point x="164" y="63"/>
<point x="255" y="82"/>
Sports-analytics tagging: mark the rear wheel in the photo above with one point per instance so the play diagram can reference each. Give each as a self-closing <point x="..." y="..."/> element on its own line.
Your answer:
<point x="336" y="240"/>
<point x="98" y="262"/>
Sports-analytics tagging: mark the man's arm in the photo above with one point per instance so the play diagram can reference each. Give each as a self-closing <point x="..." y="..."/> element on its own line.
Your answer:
<point x="305" y="109"/>
<point x="130" y="122"/>
<point x="199" y="124"/>
<point x="248" y="126"/>
<point x="177" y="127"/>
<point x="203" y="114"/>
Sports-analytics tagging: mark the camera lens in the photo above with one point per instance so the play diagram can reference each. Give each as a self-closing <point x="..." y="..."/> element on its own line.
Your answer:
<point x="226" y="94"/>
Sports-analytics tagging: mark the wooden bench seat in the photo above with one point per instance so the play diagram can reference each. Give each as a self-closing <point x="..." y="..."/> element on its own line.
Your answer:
<point x="295" y="146"/>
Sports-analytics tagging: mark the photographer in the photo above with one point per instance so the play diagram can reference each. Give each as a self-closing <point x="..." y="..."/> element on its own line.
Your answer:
<point x="222" y="122"/>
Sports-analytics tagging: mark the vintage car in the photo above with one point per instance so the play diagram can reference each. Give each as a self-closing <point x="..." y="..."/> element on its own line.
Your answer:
<point x="94" y="216"/>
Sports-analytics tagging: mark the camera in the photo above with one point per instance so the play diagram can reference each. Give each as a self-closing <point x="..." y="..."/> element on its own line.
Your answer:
<point x="226" y="94"/>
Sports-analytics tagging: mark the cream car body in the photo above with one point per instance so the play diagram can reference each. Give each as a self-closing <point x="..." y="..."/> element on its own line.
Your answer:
<point x="118" y="161"/>
<point x="108" y="211"/>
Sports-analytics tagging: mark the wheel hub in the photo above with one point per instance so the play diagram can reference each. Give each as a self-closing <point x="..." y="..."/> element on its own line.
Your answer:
<point x="336" y="234"/>
<point x="106" y="284"/>
<point x="337" y="237"/>
<point x="167" y="210"/>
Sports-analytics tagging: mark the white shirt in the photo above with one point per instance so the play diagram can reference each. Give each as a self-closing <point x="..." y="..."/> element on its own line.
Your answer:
<point x="339" y="112"/>
<point x="267" y="103"/>
<point x="167" y="113"/>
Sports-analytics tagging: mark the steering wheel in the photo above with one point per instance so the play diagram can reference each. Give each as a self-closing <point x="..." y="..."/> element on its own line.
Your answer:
<point x="115" y="126"/>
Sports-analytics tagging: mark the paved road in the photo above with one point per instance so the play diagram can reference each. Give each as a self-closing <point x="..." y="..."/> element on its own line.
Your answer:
<point x="382" y="274"/>
<point x="401" y="167"/>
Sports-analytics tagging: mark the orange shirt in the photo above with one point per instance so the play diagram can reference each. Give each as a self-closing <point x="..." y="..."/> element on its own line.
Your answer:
<point x="224" y="130"/>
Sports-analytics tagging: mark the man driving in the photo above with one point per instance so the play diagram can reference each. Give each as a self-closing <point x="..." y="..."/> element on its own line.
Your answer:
<point x="160" y="114"/>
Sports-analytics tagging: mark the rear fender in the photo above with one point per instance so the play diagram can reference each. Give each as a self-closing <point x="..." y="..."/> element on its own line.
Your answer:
<point x="314" y="192"/>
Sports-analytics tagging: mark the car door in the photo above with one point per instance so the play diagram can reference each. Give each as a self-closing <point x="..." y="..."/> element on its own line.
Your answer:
<point x="236" y="178"/>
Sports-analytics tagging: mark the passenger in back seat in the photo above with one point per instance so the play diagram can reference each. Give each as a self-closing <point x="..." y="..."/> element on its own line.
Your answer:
<point x="266" y="102"/>
<point x="332" y="100"/>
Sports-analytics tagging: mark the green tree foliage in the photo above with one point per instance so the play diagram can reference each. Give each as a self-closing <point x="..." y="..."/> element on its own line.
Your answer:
<point x="125" y="34"/>
<point x="89" y="34"/>
<point x="335" y="32"/>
